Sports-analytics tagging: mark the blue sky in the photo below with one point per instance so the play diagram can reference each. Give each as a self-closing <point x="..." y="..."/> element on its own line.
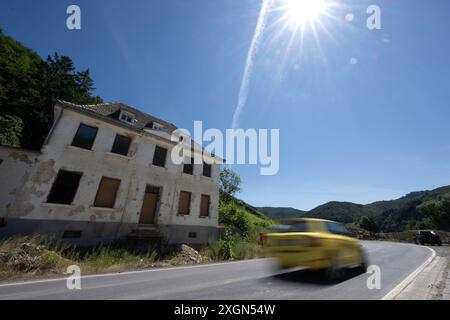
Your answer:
<point x="361" y="132"/>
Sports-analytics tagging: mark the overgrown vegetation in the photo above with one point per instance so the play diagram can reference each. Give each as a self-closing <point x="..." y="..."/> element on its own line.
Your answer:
<point x="10" y="130"/>
<point x="242" y="223"/>
<point x="28" y="87"/>
<point x="34" y="256"/>
<point x="37" y="255"/>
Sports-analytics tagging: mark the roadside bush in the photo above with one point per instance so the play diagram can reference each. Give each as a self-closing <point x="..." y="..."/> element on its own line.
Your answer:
<point x="248" y="225"/>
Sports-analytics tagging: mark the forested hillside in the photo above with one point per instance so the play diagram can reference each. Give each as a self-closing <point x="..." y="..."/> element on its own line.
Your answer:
<point x="28" y="87"/>
<point x="417" y="210"/>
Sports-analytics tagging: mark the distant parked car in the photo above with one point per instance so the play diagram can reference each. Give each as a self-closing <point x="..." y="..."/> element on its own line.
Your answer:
<point x="427" y="237"/>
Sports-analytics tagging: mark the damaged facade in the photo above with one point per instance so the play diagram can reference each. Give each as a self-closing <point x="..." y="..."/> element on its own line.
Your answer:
<point x="105" y="173"/>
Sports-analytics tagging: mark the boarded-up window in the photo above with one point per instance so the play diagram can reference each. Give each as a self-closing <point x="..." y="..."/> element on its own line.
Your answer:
<point x="184" y="206"/>
<point x="159" y="158"/>
<point x="85" y="136"/>
<point x="121" y="145"/>
<point x="204" y="206"/>
<point x="189" y="167"/>
<point x="106" y="193"/>
<point x="64" y="188"/>
<point x="206" y="170"/>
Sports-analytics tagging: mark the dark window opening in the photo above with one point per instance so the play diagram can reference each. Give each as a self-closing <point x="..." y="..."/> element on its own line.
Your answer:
<point x="106" y="193"/>
<point x="184" y="205"/>
<point x="151" y="189"/>
<point x="85" y="136"/>
<point x="71" y="234"/>
<point x="64" y="188"/>
<point x="126" y="117"/>
<point x="293" y="226"/>
<point x="159" y="158"/>
<point x="189" y="167"/>
<point x="204" y="205"/>
<point x="206" y="170"/>
<point x="192" y="235"/>
<point x="121" y="145"/>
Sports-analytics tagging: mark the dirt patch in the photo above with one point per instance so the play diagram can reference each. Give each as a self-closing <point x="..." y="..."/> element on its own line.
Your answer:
<point x="28" y="258"/>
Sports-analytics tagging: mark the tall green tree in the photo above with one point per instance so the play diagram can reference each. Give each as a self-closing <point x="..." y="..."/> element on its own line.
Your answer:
<point x="368" y="224"/>
<point x="438" y="213"/>
<point x="229" y="184"/>
<point x="29" y="85"/>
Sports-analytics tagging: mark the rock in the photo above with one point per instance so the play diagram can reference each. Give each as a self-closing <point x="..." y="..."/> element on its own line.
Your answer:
<point x="189" y="254"/>
<point x="4" y="257"/>
<point x="160" y="264"/>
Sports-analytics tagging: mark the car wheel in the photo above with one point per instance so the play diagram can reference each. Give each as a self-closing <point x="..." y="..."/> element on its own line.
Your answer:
<point x="334" y="272"/>
<point x="362" y="267"/>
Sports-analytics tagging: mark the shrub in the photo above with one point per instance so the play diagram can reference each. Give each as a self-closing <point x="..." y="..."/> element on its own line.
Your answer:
<point x="226" y="246"/>
<point x="247" y="224"/>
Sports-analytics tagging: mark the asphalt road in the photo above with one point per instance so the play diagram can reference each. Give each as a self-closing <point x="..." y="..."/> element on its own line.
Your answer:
<point x="251" y="279"/>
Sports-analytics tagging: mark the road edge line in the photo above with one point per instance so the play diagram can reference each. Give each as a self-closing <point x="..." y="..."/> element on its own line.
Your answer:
<point x="410" y="278"/>
<point x="111" y="274"/>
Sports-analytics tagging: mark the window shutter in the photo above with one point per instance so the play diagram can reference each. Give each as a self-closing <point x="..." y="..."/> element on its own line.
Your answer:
<point x="184" y="206"/>
<point x="106" y="193"/>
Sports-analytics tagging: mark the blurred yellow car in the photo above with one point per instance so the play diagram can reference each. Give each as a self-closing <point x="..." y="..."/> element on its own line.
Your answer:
<point x="314" y="243"/>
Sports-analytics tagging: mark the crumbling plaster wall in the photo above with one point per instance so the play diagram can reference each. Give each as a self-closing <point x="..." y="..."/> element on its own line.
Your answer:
<point x="134" y="172"/>
<point x="15" y="168"/>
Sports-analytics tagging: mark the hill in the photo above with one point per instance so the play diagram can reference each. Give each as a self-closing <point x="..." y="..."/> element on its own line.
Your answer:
<point x="416" y="210"/>
<point x="281" y="213"/>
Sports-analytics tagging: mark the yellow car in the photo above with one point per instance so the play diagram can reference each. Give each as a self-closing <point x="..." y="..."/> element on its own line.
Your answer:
<point x="314" y="243"/>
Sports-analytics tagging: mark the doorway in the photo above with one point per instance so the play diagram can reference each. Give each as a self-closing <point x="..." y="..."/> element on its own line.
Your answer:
<point x="149" y="205"/>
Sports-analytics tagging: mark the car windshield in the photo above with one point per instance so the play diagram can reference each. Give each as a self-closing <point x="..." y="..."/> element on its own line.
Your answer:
<point x="294" y="226"/>
<point x="336" y="228"/>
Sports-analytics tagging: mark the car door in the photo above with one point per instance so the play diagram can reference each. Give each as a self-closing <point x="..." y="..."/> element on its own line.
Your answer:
<point x="346" y="247"/>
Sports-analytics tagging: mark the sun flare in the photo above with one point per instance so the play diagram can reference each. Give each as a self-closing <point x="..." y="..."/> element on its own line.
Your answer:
<point x="299" y="12"/>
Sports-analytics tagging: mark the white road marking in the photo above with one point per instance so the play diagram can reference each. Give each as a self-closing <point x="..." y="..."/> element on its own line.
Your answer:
<point x="402" y="285"/>
<point x="127" y="273"/>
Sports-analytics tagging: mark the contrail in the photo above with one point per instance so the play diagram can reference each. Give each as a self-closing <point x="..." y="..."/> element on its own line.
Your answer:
<point x="259" y="31"/>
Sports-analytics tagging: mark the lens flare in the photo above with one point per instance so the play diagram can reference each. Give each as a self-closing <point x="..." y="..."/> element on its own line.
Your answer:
<point x="299" y="12"/>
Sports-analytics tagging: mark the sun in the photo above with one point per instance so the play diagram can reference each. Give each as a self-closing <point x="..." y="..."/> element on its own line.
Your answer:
<point x="300" y="12"/>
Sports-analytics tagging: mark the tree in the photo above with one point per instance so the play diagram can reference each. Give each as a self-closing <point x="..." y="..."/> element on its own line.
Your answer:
<point x="29" y="85"/>
<point x="10" y="128"/>
<point x="438" y="213"/>
<point x="368" y="224"/>
<point x="229" y="184"/>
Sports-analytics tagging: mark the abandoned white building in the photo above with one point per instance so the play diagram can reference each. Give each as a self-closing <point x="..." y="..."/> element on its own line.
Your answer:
<point x="104" y="173"/>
